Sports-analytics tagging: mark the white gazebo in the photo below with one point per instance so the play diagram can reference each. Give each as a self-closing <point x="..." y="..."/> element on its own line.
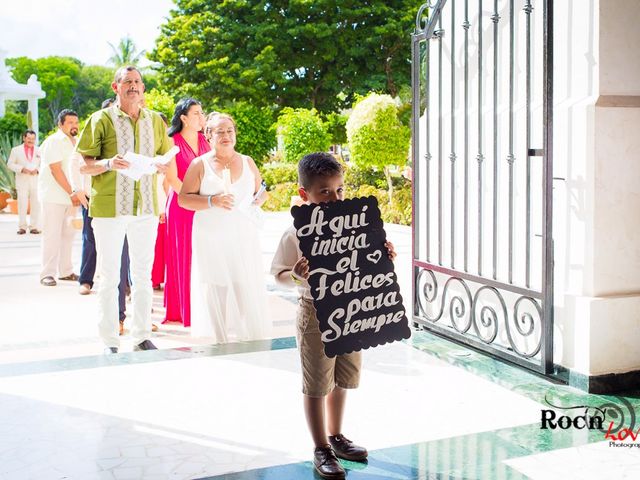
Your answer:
<point x="12" y="90"/>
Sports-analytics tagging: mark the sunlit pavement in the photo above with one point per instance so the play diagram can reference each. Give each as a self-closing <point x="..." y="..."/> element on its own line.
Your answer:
<point x="426" y="408"/>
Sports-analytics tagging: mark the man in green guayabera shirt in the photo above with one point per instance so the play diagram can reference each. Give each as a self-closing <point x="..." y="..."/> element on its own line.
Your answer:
<point x="122" y="206"/>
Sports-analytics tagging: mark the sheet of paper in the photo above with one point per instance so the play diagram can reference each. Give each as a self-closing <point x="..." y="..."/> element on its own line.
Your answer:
<point x="139" y="165"/>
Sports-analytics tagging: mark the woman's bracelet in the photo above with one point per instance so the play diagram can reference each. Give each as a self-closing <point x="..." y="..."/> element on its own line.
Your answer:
<point x="209" y="200"/>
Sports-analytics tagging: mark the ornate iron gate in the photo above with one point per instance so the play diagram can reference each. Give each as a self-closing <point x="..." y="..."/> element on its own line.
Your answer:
<point x="482" y="176"/>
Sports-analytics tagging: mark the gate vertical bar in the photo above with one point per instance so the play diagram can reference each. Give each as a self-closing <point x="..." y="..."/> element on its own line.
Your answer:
<point x="510" y="156"/>
<point x="415" y="151"/>
<point x="439" y="34"/>
<point x="528" y="8"/>
<point x="495" y="18"/>
<point x="466" y="26"/>
<point x="480" y="156"/>
<point x="452" y="155"/>
<point x="427" y="141"/>
<point x="547" y="234"/>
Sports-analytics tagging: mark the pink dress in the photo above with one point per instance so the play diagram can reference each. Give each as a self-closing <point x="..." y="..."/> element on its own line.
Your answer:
<point x="177" y="289"/>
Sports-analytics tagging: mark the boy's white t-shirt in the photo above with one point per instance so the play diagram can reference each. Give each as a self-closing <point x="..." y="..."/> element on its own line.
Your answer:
<point x="287" y="255"/>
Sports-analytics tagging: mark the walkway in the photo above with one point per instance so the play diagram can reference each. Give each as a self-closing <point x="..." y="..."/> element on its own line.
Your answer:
<point x="427" y="409"/>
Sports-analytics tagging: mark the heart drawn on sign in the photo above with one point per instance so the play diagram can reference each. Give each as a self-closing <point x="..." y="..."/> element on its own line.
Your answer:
<point x="375" y="256"/>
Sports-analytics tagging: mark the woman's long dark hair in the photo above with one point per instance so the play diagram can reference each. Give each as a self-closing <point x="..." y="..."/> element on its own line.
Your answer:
<point x="182" y="108"/>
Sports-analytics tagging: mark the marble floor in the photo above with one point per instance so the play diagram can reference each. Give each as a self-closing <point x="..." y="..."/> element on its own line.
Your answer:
<point x="426" y="408"/>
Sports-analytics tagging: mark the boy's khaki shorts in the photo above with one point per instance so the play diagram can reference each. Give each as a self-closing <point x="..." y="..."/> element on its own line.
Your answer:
<point x="321" y="374"/>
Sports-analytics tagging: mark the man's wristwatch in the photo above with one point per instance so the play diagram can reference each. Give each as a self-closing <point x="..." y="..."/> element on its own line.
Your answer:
<point x="108" y="165"/>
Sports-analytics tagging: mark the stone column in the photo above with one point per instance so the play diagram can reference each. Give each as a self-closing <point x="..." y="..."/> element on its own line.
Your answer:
<point x="33" y="108"/>
<point x="597" y="206"/>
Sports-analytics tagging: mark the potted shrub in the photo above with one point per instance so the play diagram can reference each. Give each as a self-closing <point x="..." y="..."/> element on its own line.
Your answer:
<point x="7" y="177"/>
<point x="4" y="196"/>
<point x="7" y="186"/>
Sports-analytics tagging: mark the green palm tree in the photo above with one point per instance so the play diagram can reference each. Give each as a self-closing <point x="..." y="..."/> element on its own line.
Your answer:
<point x="125" y="53"/>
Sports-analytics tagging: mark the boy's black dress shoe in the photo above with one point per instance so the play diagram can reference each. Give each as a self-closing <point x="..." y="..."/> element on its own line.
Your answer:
<point x="346" y="449"/>
<point x="326" y="463"/>
<point x="146" y="345"/>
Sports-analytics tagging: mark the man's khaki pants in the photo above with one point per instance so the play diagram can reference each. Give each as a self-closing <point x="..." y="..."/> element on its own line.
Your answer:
<point x="27" y="187"/>
<point x="57" y="239"/>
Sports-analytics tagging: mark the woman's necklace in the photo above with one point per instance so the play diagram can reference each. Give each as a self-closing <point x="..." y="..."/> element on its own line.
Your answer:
<point x="226" y="164"/>
<point x="226" y="174"/>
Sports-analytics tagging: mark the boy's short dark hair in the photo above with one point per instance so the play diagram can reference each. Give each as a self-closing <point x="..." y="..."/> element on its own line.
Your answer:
<point x="316" y="165"/>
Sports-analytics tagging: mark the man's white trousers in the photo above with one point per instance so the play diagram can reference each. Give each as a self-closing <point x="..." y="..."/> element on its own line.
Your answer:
<point x="141" y="234"/>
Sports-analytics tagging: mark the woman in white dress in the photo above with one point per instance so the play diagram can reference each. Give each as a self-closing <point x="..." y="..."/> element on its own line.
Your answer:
<point x="228" y="294"/>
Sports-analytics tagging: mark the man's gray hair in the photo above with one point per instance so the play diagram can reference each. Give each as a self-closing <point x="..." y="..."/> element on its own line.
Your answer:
<point x="122" y="72"/>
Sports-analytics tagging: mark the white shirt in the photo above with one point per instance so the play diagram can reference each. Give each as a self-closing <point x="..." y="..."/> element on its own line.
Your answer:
<point x="18" y="159"/>
<point x="57" y="148"/>
<point x="287" y="255"/>
<point x="77" y="180"/>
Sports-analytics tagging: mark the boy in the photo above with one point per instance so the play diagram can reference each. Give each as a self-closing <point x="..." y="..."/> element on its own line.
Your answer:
<point x="325" y="380"/>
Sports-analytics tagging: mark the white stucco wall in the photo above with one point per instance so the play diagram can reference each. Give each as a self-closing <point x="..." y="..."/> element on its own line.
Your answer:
<point x="597" y="208"/>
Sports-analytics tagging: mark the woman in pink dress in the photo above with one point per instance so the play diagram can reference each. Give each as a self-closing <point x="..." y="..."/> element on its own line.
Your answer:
<point x="186" y="126"/>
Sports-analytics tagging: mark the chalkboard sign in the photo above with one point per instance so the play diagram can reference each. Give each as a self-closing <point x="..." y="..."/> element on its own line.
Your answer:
<point x="353" y="285"/>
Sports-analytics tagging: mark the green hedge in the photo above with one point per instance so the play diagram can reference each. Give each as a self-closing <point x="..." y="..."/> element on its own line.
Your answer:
<point x="276" y="173"/>
<point x="256" y="134"/>
<point x="282" y="182"/>
<point x="376" y="136"/>
<point x="303" y="132"/>
<point x="280" y="197"/>
<point x="13" y="124"/>
<point x="281" y="178"/>
<point x="397" y="211"/>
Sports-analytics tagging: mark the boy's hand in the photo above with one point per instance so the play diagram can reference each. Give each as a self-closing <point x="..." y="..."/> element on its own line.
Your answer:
<point x="391" y="250"/>
<point x="301" y="268"/>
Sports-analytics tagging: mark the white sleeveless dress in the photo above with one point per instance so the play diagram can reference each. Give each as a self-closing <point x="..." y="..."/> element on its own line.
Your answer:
<point x="228" y="293"/>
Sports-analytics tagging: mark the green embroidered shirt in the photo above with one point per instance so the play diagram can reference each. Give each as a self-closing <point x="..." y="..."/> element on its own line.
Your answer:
<point x="98" y="139"/>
